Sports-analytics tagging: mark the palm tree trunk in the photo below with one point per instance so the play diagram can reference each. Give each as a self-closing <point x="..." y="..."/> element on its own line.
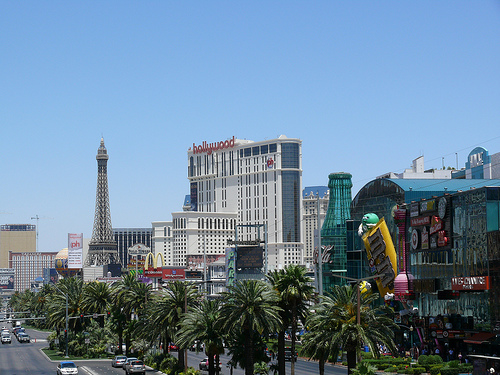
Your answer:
<point x="322" y="365"/>
<point x="180" y="356"/>
<point x="351" y="360"/>
<point x="294" y="329"/>
<point x="217" y="359"/>
<point x="249" y="365"/>
<point x="281" y="352"/>
<point x="211" y="368"/>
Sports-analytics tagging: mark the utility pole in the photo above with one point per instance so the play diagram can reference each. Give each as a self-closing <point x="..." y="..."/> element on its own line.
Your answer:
<point x="320" y="253"/>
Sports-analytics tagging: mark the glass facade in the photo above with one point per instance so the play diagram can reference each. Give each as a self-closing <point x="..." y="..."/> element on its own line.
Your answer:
<point x="290" y="158"/>
<point x="291" y="206"/>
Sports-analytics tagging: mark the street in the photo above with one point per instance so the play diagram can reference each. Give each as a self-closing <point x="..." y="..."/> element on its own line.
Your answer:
<point x="17" y="358"/>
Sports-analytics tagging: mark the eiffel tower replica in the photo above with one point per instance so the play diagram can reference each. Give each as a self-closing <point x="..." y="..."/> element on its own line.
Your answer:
<point x="103" y="249"/>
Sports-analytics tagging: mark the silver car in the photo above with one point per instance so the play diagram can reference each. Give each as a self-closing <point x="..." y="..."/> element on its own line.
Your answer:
<point x="135" y="367"/>
<point x="118" y="361"/>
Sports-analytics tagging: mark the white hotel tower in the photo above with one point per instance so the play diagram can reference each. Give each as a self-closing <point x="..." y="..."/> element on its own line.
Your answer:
<point x="260" y="183"/>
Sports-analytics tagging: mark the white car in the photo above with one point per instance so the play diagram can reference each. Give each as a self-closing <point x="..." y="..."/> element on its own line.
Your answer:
<point x="67" y="368"/>
<point x="6" y="339"/>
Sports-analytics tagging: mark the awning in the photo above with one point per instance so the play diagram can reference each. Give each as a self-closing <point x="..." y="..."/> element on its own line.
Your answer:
<point x="480" y="338"/>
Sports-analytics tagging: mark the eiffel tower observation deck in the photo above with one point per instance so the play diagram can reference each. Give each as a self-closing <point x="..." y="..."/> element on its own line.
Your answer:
<point x="102" y="247"/>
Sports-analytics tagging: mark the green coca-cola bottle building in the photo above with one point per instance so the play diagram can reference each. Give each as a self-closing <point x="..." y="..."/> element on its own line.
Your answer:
<point x="334" y="230"/>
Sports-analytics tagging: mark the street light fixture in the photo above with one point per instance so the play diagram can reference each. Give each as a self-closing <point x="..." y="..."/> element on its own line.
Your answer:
<point x="67" y="333"/>
<point x="357" y="281"/>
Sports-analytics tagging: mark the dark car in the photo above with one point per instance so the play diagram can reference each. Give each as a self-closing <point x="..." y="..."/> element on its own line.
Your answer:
<point x="289" y="356"/>
<point x="23" y="337"/>
<point x="118" y="361"/>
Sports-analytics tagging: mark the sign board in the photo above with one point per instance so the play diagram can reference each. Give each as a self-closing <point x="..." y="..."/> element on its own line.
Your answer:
<point x="249" y="257"/>
<point x="7" y="278"/>
<point x="382" y="255"/>
<point x="244" y="243"/>
<point x="75" y="250"/>
<point x="138" y="249"/>
<point x="470" y="283"/>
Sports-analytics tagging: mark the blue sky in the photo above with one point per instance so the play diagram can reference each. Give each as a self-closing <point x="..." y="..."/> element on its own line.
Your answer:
<point x="367" y="85"/>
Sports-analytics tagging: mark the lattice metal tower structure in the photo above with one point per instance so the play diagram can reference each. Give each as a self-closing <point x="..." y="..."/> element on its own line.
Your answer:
<point x="102" y="246"/>
<point x="334" y="229"/>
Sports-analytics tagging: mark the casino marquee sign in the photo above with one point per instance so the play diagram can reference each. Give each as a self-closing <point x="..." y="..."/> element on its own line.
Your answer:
<point x="470" y="283"/>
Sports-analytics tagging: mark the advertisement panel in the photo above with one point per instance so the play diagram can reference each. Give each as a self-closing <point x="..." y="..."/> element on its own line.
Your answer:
<point x="381" y="256"/>
<point x="196" y="262"/>
<point x="470" y="283"/>
<point x="173" y="274"/>
<point x="7" y="278"/>
<point x="230" y="268"/>
<point x="249" y="257"/>
<point x="75" y="250"/>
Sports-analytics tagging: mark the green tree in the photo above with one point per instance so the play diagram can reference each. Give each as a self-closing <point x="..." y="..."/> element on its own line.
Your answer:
<point x="203" y="323"/>
<point x="333" y="326"/>
<point x="130" y="297"/>
<point x="56" y="306"/>
<point x="295" y="291"/>
<point x="250" y="306"/>
<point x="167" y="311"/>
<point x="96" y="299"/>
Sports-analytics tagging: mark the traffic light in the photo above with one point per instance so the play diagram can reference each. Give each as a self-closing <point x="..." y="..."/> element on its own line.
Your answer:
<point x="65" y="333"/>
<point x="108" y="314"/>
<point x="82" y="318"/>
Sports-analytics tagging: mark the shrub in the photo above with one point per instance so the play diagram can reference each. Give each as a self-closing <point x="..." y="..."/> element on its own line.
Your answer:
<point x="449" y="371"/>
<point x="391" y="369"/>
<point x="423" y="360"/>
<point x="435" y="359"/>
<point x="465" y="368"/>
<point x="364" y="368"/>
<point x="435" y="369"/>
<point x="382" y="366"/>
<point x="366" y="355"/>
<point x="168" y="364"/>
<point x="453" y="364"/>
<point x="417" y="370"/>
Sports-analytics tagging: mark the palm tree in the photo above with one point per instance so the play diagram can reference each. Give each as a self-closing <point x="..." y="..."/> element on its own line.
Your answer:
<point x="250" y="306"/>
<point x="96" y="299"/>
<point x="131" y="296"/>
<point x="333" y="326"/>
<point x="73" y="288"/>
<point x="166" y="312"/>
<point x="203" y="323"/>
<point x="295" y="291"/>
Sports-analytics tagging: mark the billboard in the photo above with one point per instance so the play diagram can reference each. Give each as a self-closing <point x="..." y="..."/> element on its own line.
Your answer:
<point x="249" y="257"/>
<point x="7" y="278"/>
<point x="230" y="268"/>
<point x="381" y="256"/>
<point x="75" y="250"/>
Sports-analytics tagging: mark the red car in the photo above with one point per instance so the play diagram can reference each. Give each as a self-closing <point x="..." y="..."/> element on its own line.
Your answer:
<point x="173" y="348"/>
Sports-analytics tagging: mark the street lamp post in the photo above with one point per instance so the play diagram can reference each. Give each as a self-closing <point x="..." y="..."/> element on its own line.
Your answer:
<point x="357" y="281"/>
<point x="66" y="332"/>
